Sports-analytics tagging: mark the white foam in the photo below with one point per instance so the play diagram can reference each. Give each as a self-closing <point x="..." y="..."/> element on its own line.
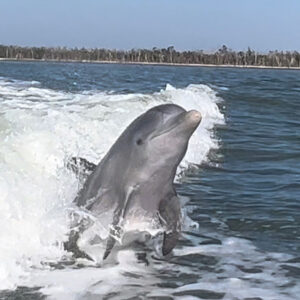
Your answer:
<point x="243" y="271"/>
<point x="40" y="129"/>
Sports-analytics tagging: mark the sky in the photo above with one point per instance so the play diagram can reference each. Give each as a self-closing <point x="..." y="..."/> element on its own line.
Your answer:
<point x="125" y="24"/>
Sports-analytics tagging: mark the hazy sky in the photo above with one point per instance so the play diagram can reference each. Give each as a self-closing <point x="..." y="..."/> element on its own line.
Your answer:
<point x="125" y="24"/>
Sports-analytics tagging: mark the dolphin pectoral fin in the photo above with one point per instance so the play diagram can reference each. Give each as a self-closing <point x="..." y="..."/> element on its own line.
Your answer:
<point x="169" y="242"/>
<point x="116" y="228"/>
<point x="80" y="165"/>
<point x="109" y="245"/>
<point x="114" y="232"/>
<point x="114" y="235"/>
<point x="170" y="218"/>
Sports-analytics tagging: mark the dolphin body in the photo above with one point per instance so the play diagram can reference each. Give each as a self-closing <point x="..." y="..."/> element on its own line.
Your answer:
<point x="135" y="178"/>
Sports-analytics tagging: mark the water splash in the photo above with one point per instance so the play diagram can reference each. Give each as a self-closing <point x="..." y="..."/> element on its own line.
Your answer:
<point x="40" y="129"/>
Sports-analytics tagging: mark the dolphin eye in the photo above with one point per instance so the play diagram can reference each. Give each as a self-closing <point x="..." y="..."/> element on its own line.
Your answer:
<point x="139" y="142"/>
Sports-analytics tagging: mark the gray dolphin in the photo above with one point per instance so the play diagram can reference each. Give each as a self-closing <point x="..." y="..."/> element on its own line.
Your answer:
<point x="137" y="173"/>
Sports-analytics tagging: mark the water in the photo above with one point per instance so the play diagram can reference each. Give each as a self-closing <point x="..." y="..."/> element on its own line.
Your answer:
<point x="241" y="237"/>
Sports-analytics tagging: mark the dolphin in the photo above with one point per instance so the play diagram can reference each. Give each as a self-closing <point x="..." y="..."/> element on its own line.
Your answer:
<point x="135" y="179"/>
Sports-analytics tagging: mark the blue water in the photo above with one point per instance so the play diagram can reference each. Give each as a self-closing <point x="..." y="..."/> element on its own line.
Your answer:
<point x="245" y="196"/>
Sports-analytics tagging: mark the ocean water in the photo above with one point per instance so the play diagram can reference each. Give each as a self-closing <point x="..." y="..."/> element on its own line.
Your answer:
<point x="239" y="181"/>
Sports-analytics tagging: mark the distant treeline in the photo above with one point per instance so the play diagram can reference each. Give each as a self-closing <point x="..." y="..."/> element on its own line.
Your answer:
<point x="223" y="56"/>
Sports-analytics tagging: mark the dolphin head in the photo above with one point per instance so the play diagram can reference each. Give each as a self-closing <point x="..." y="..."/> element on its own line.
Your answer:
<point x="158" y="140"/>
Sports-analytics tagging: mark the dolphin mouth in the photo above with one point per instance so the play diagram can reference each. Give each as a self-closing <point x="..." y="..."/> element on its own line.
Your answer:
<point x="191" y="118"/>
<point x="164" y="132"/>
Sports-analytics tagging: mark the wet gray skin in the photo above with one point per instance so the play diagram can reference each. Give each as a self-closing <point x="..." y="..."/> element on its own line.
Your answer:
<point x="137" y="173"/>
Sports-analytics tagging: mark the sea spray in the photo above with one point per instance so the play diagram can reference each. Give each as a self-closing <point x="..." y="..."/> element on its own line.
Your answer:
<point x="40" y="130"/>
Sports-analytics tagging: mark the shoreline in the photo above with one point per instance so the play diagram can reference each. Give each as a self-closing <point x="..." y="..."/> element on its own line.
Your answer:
<point x="149" y="63"/>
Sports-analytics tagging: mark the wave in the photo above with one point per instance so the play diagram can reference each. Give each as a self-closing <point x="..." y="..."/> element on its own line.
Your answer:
<point x="40" y="129"/>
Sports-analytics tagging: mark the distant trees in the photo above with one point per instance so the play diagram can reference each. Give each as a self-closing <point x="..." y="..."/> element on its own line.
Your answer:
<point x="223" y="56"/>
